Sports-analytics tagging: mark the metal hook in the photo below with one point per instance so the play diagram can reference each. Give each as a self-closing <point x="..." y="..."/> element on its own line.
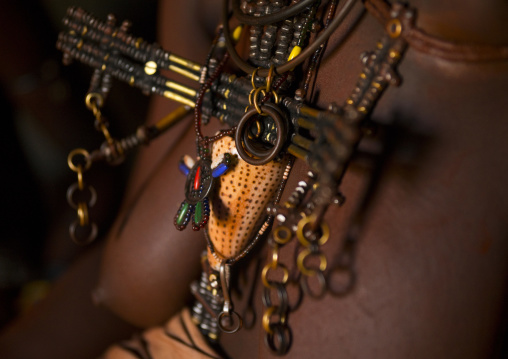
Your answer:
<point x="228" y="314"/>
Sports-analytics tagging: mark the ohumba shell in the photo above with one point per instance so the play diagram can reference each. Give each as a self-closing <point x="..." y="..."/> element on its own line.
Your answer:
<point x="237" y="206"/>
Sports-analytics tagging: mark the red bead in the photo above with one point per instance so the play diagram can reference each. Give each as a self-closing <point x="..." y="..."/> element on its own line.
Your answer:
<point x="197" y="179"/>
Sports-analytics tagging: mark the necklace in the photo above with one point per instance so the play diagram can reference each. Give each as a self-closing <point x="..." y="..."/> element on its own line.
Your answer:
<point x="234" y="187"/>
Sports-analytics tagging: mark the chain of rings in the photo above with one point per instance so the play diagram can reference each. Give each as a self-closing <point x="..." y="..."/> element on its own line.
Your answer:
<point x="311" y="242"/>
<point x="94" y="102"/>
<point x="82" y="230"/>
<point x="264" y="90"/>
<point x="278" y="334"/>
<point x="249" y="148"/>
<point x="294" y="219"/>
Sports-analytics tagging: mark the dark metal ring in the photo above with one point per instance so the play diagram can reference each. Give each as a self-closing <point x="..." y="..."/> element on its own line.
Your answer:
<point x="249" y="317"/>
<point x="92" y="227"/>
<point x="279" y="341"/>
<point x="282" y="296"/>
<point x="262" y="157"/>
<point x="341" y="287"/>
<point x="233" y="328"/>
<point x="75" y="187"/>
<point x="322" y="285"/>
<point x="253" y="147"/>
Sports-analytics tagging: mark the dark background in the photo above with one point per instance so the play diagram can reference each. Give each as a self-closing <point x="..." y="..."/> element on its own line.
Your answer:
<point x="43" y="118"/>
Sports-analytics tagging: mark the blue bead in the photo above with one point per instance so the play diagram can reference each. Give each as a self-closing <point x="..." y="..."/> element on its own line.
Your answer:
<point x="183" y="168"/>
<point x="219" y="170"/>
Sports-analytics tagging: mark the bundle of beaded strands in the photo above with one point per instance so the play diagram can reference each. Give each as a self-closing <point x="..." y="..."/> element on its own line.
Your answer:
<point x="270" y="124"/>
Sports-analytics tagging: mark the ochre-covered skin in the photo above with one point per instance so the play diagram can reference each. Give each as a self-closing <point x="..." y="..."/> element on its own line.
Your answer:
<point x="238" y="201"/>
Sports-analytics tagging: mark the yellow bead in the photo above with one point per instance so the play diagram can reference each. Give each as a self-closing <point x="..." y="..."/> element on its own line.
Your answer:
<point x="237" y="32"/>
<point x="294" y="53"/>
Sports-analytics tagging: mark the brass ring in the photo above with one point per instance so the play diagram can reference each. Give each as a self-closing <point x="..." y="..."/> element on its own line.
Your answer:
<point x="81" y="184"/>
<point x="264" y="274"/>
<point x="94" y="97"/>
<point x="394" y="28"/>
<point x="83" y="214"/>
<point x="268" y="314"/>
<point x="266" y="319"/>
<point x="253" y="92"/>
<point x="253" y="76"/>
<point x="256" y="104"/>
<point x="82" y="152"/>
<point x="275" y="255"/>
<point x="300" y="261"/>
<point x="276" y="96"/>
<point x="269" y="78"/>
<point x="325" y="231"/>
<point x="282" y="235"/>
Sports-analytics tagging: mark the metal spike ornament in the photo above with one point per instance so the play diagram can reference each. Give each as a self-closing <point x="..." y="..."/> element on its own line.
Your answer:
<point x="201" y="177"/>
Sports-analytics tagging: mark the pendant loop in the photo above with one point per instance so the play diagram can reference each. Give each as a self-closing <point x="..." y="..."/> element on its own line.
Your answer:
<point x="253" y="152"/>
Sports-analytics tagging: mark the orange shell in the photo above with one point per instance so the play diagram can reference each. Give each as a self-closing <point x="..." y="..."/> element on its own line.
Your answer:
<point x="239" y="200"/>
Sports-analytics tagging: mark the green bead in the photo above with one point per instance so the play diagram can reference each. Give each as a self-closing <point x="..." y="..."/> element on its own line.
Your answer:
<point x="198" y="212"/>
<point x="183" y="213"/>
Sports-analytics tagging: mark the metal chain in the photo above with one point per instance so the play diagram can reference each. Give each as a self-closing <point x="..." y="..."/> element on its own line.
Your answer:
<point x="115" y="150"/>
<point x="311" y="241"/>
<point x="275" y="276"/>
<point x="82" y="230"/>
<point x="278" y="335"/>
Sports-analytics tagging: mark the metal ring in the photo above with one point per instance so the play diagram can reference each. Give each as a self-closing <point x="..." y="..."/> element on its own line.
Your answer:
<point x="269" y="312"/>
<point x="253" y="77"/>
<point x="394" y="28"/>
<point x="255" y="147"/>
<point x="96" y="97"/>
<point x="259" y="129"/>
<point x="255" y="92"/>
<point x="275" y="97"/>
<point x="82" y="152"/>
<point x="242" y="128"/>
<point x="322" y="285"/>
<point x="296" y="294"/>
<point x="282" y="296"/>
<point x="81" y="184"/>
<point x="255" y="97"/>
<point x="249" y="317"/>
<point x="83" y="214"/>
<point x="72" y="189"/>
<point x="341" y="289"/>
<point x="325" y="231"/>
<point x="269" y="78"/>
<point x="280" y="334"/>
<point x="310" y="271"/>
<point x="282" y="239"/>
<point x="231" y="315"/>
<point x="92" y="235"/>
<point x="275" y="256"/>
<point x="264" y="274"/>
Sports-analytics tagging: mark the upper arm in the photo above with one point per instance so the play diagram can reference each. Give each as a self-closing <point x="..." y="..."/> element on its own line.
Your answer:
<point x="147" y="264"/>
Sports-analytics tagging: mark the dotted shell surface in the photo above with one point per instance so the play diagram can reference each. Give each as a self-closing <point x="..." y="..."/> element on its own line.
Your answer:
<point x="239" y="200"/>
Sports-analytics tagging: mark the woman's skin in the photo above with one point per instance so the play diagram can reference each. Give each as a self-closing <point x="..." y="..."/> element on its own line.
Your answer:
<point x="431" y="260"/>
<point x="428" y="201"/>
